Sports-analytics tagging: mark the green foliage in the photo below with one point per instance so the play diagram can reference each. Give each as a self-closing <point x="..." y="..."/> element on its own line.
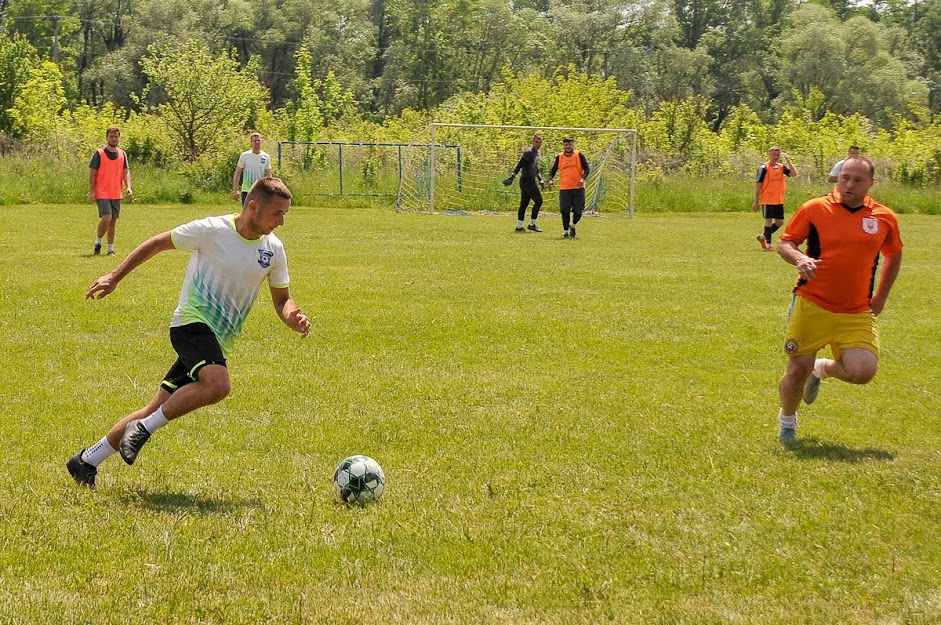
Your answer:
<point x="846" y="68"/>
<point x="206" y="97"/>
<point x="37" y="106"/>
<point x="17" y="60"/>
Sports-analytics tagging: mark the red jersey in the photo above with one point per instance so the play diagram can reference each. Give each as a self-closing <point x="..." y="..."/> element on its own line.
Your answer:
<point x="848" y="243"/>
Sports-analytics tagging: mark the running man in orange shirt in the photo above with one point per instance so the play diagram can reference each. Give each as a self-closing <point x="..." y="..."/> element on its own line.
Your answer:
<point x="834" y="304"/>
<point x="769" y="193"/>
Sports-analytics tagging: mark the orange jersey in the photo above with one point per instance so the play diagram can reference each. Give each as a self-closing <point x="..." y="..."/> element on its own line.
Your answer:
<point x="772" y="179"/>
<point x="110" y="177"/>
<point x="571" y="171"/>
<point x="848" y="243"/>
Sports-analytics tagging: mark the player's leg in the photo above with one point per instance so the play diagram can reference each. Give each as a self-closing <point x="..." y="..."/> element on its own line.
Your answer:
<point x="807" y="332"/>
<point x="855" y="353"/>
<point x="856" y="365"/>
<point x="199" y="378"/>
<point x="112" y="227"/>
<point x="537" y="204"/>
<point x="104" y="222"/>
<point x="565" y="208"/>
<point x="83" y="466"/>
<point x="578" y="207"/>
<point x="524" y="202"/>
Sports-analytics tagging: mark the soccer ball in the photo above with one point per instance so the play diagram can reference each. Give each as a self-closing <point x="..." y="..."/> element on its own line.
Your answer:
<point x="359" y="480"/>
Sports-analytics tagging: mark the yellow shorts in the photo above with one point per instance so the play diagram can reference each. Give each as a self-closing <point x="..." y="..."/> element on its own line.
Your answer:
<point x="810" y="328"/>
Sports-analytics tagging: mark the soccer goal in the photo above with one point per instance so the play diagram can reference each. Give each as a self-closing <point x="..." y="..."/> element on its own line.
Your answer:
<point x="460" y="167"/>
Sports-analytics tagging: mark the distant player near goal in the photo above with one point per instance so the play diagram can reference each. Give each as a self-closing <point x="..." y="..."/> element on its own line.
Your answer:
<point x="573" y="168"/>
<point x="528" y="169"/>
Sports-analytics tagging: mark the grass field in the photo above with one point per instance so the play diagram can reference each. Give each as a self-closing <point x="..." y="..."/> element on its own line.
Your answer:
<point x="572" y="432"/>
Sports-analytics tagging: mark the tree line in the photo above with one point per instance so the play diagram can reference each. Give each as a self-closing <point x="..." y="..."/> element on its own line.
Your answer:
<point x="695" y="72"/>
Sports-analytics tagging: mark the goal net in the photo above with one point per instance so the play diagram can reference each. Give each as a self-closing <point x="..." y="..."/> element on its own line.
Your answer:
<point x="461" y="167"/>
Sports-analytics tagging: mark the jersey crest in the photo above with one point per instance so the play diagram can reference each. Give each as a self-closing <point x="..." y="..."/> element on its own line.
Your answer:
<point x="870" y="225"/>
<point x="264" y="258"/>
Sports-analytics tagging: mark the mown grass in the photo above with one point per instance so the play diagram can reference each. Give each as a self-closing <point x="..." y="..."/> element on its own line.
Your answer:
<point x="572" y="432"/>
<point x="42" y="181"/>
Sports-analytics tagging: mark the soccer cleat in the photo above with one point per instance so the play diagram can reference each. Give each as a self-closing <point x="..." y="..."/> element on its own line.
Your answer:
<point x="811" y="388"/>
<point x="572" y="232"/>
<point x="770" y="248"/>
<point x="520" y="229"/>
<point x="82" y="472"/>
<point x="762" y="242"/>
<point x="566" y="235"/>
<point x="534" y="228"/>
<point x="111" y="253"/>
<point x="135" y="435"/>
<point x="97" y="251"/>
<point x="787" y="435"/>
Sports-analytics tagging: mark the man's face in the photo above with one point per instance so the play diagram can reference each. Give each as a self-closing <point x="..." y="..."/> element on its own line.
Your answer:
<point x="537" y="143"/>
<point x="774" y="155"/>
<point x="854" y="182"/>
<point x="270" y="216"/>
<point x="256" y="143"/>
<point x="113" y="137"/>
<point x="568" y="147"/>
<point x="854" y="152"/>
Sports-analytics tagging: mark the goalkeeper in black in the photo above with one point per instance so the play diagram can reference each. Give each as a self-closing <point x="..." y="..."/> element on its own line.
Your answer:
<point x="528" y="168"/>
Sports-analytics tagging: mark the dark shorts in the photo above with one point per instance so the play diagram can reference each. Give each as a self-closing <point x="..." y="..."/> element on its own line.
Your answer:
<point x="572" y="200"/>
<point x="109" y="207"/>
<point x="196" y="346"/>
<point x="773" y="211"/>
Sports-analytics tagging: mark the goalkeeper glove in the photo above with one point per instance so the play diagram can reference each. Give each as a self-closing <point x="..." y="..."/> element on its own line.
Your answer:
<point x="509" y="180"/>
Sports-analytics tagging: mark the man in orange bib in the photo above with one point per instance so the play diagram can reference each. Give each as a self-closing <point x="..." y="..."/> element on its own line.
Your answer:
<point x="845" y="232"/>
<point x="108" y="174"/>
<point x="573" y="169"/>
<point x="769" y="193"/>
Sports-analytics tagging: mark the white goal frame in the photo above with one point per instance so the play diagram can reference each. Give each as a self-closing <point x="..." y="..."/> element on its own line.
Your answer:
<point x="623" y="132"/>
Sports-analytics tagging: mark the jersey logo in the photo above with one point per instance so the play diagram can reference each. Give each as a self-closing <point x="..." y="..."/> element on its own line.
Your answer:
<point x="264" y="258"/>
<point x="870" y="225"/>
<point x="790" y="346"/>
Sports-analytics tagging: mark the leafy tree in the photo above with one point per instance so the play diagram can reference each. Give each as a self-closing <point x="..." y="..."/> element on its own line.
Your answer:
<point x="37" y="107"/>
<point x="17" y="59"/>
<point x="205" y="97"/>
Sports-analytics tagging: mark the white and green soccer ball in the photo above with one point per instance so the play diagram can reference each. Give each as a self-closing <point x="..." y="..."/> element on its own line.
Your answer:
<point x="359" y="480"/>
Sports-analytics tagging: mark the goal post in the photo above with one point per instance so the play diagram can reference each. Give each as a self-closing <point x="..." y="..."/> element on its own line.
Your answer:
<point x="460" y="167"/>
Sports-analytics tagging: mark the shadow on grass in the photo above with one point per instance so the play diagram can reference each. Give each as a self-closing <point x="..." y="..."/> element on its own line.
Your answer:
<point x="166" y="501"/>
<point x="814" y="449"/>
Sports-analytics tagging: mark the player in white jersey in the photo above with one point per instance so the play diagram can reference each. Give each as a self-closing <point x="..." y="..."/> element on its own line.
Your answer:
<point x="231" y="257"/>
<point x="253" y="164"/>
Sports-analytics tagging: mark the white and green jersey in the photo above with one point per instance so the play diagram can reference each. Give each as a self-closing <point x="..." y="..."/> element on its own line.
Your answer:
<point x="224" y="275"/>
<point x="254" y="166"/>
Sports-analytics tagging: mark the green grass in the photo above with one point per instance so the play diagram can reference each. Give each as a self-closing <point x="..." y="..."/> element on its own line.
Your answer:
<point x="42" y="181"/>
<point x="572" y="432"/>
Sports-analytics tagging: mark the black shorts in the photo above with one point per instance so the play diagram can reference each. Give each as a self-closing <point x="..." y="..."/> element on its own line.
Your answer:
<point x="773" y="211"/>
<point x="572" y="200"/>
<point x="197" y="346"/>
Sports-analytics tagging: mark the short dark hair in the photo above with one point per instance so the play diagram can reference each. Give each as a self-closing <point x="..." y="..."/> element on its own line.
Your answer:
<point x="266" y="188"/>
<point x="568" y="140"/>
<point x="855" y="147"/>
<point x="113" y="129"/>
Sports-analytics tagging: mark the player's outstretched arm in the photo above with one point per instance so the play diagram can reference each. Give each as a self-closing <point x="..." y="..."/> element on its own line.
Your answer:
<point x="142" y="253"/>
<point x="289" y="312"/>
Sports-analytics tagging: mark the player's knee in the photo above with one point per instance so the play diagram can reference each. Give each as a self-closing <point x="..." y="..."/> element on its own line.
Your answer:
<point x="218" y="389"/>
<point x="861" y="375"/>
